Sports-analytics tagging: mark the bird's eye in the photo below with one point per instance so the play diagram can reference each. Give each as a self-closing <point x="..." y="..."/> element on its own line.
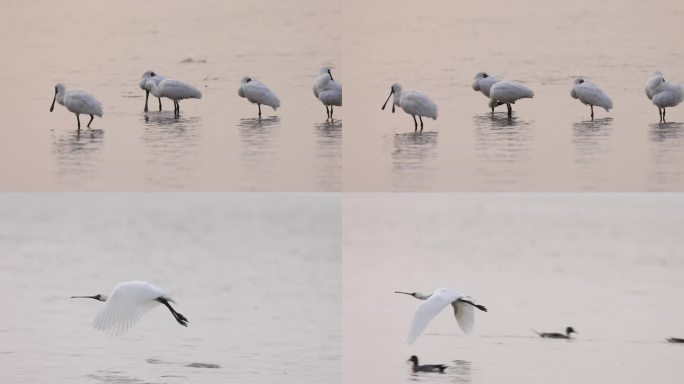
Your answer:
<point x="485" y="75"/>
<point x="153" y="74"/>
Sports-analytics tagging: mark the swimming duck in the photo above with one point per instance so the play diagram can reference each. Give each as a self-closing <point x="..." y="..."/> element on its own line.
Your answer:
<point x="568" y="331"/>
<point x="427" y="367"/>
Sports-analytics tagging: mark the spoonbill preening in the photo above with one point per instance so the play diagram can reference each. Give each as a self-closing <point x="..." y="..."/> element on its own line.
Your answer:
<point x="173" y="89"/>
<point x="328" y="91"/>
<point x="257" y="93"/>
<point x="590" y="94"/>
<point x="508" y="92"/>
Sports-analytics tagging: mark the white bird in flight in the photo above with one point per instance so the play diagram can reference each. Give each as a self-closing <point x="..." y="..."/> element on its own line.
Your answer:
<point x="508" y="92"/>
<point x="146" y="76"/>
<point x="483" y="83"/>
<point x="127" y="302"/>
<point x="173" y="89"/>
<point x="414" y="103"/>
<point x="257" y="93"/>
<point x="590" y="94"/>
<point x="78" y="102"/>
<point x="435" y="302"/>
<point x="328" y="91"/>
<point x="664" y="93"/>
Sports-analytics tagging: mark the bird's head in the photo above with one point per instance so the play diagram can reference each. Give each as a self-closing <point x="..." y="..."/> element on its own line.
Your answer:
<point x="413" y="359"/>
<point x="98" y="297"/>
<point x="245" y="80"/>
<point x="59" y="88"/>
<point x="395" y="90"/>
<point x="148" y="74"/>
<point x="481" y="75"/>
<point x="407" y="293"/>
<point x="578" y="80"/>
<point x="569" y="330"/>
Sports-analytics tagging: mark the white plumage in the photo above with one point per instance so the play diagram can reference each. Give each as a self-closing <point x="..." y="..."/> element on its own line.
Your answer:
<point x="126" y="304"/>
<point x="483" y="83"/>
<point x="508" y="92"/>
<point x="435" y="302"/>
<point x="173" y="89"/>
<point x="663" y="93"/>
<point x="590" y="94"/>
<point x="78" y="102"/>
<point x="258" y="93"/>
<point x="414" y="103"/>
<point x="156" y="79"/>
<point x="328" y="91"/>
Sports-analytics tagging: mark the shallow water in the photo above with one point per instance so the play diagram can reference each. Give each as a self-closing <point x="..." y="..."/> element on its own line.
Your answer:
<point x="609" y="265"/>
<point x="550" y="144"/>
<point x="257" y="276"/>
<point x="217" y="144"/>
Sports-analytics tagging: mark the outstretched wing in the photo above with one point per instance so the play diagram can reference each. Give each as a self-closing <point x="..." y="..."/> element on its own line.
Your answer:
<point x="426" y="311"/>
<point x="126" y="305"/>
<point x="465" y="315"/>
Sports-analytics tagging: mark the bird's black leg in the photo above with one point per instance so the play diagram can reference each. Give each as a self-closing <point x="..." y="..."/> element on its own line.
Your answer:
<point x="158" y="98"/>
<point x="331" y="113"/>
<point x="415" y="122"/>
<point x="510" y="109"/>
<point x="147" y="95"/>
<point x="592" y="112"/>
<point x="178" y="108"/>
<point x="327" y="112"/>
<point x="421" y="123"/>
<point x="259" y="105"/>
<point x="179" y="318"/>
<point x="79" y="121"/>
<point x="660" y="114"/>
<point x="664" y="115"/>
<point x="91" y="120"/>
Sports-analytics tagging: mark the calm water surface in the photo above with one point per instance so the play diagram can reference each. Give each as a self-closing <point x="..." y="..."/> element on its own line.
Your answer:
<point x="608" y="265"/>
<point x="550" y="144"/>
<point x="258" y="277"/>
<point x="217" y="144"/>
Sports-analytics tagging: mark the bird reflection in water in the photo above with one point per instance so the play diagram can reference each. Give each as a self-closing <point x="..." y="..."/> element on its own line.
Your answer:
<point x="411" y="158"/>
<point x="329" y="153"/>
<point x="259" y="137"/>
<point x="77" y="154"/>
<point x="590" y="138"/>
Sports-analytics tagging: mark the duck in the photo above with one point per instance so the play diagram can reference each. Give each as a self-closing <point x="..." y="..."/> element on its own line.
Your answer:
<point x="555" y="335"/>
<point x="427" y="367"/>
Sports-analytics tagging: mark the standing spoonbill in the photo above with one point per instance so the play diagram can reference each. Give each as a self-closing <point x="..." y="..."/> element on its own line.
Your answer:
<point x="435" y="303"/>
<point x="150" y="75"/>
<point x="412" y="102"/>
<point x="664" y="93"/>
<point x="257" y="93"/>
<point x="128" y="302"/>
<point x="508" y="92"/>
<point x="173" y="89"/>
<point x="77" y="102"/>
<point x="556" y="335"/>
<point x="589" y="93"/>
<point x="328" y="91"/>
<point x="483" y="82"/>
<point x="426" y="367"/>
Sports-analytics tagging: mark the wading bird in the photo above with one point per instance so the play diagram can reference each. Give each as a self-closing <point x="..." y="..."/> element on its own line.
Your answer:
<point x="173" y="89"/>
<point x="483" y="83"/>
<point x="435" y="302"/>
<point x="78" y="102"/>
<point x="412" y="102"/>
<point x="508" y="92"/>
<point x="590" y="94"/>
<point x="150" y="75"/>
<point x="328" y="91"/>
<point x="664" y="93"/>
<point x="128" y="302"/>
<point x="257" y="93"/>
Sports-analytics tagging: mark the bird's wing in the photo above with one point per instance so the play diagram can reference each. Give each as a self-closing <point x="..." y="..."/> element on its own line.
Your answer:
<point x="590" y="93"/>
<point x="427" y="310"/>
<point x="257" y="92"/>
<point x="465" y="315"/>
<point x="126" y="305"/>
<point x="573" y="94"/>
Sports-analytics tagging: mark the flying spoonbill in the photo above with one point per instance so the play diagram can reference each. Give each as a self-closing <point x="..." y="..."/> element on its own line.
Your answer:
<point x="173" y="89"/>
<point x="412" y="102"/>
<point x="257" y="93"/>
<point x="664" y="93"/>
<point x="435" y="303"/>
<point x="78" y="102"/>
<point x="328" y="91"/>
<point x="150" y="75"/>
<point x="508" y="92"/>
<point x="426" y="367"/>
<point x="128" y="302"/>
<point x="483" y="82"/>
<point x="556" y="335"/>
<point x="589" y="93"/>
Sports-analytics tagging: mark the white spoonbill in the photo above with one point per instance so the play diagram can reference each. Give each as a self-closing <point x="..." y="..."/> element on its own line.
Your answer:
<point x="412" y="102"/>
<point x="508" y="92"/>
<point x="257" y="93"/>
<point x="664" y="93"/>
<point x="483" y="82"/>
<point x="173" y="89"/>
<point x="435" y="303"/>
<point x="78" y="102"/>
<point x="328" y="91"/>
<point x="150" y="75"/>
<point x="590" y="94"/>
<point x="128" y="302"/>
